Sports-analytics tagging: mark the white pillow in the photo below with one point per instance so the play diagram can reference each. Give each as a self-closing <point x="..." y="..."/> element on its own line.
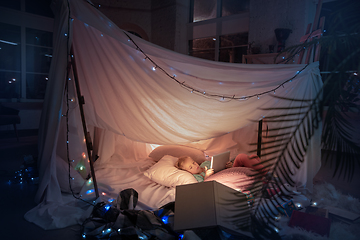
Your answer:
<point x="165" y="173"/>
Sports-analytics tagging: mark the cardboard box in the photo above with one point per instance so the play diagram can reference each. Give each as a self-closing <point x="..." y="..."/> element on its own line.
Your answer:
<point x="209" y="204"/>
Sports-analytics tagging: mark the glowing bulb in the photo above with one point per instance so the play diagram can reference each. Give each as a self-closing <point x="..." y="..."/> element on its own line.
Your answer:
<point x="119" y="230"/>
<point x="274" y="92"/>
<point x="102" y="35"/>
<point x="83" y="155"/>
<point x="355" y="73"/>
<point x="111" y="200"/>
<point x="14" y="79"/>
<point x="191" y="91"/>
<point x="298" y="205"/>
<point x="89" y="191"/>
<point x="46" y="78"/>
<point x="84" y="235"/>
<point x="204" y="92"/>
<point x="67" y="141"/>
<point x="276" y="229"/>
<point x="153" y="68"/>
<point x="103" y="193"/>
<point x="69" y="79"/>
<point x="165" y="219"/>
<point x="81" y="168"/>
<point x="258" y="97"/>
<point x="65" y="34"/>
<point x="314" y="203"/>
<point x="107" y="207"/>
<point x="10" y="81"/>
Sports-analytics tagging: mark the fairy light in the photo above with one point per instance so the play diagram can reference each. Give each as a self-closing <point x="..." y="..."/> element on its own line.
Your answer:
<point x="203" y="93"/>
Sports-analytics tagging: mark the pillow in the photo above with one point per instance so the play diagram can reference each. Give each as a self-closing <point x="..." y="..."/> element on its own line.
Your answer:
<point x="178" y="151"/>
<point x="165" y="173"/>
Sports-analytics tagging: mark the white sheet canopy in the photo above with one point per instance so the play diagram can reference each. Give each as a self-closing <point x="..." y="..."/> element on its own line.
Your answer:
<point x="134" y="103"/>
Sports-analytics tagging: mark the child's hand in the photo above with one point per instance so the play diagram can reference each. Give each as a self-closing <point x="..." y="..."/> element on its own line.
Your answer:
<point x="208" y="172"/>
<point x="229" y="164"/>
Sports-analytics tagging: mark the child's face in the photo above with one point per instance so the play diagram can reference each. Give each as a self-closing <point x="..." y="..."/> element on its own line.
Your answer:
<point x="191" y="166"/>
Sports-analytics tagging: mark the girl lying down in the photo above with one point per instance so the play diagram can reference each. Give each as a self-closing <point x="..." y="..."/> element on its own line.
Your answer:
<point x="231" y="178"/>
<point x="203" y="171"/>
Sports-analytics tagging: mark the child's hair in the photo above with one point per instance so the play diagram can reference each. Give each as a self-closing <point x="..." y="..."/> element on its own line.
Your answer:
<point x="180" y="161"/>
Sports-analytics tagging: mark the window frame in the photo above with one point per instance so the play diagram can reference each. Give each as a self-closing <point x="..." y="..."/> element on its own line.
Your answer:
<point x="24" y="20"/>
<point x="218" y="30"/>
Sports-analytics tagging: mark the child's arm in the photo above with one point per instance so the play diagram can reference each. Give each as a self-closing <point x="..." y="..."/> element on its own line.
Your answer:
<point x="208" y="172"/>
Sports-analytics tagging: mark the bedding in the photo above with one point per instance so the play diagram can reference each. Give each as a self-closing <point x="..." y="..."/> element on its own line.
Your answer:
<point x="238" y="178"/>
<point x="165" y="173"/>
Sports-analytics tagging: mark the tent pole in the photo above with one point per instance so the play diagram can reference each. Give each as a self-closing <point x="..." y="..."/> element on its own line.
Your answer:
<point x="81" y="101"/>
<point x="259" y="138"/>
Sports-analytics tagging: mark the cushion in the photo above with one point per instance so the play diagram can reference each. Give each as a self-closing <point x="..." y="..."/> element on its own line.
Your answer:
<point x="165" y="173"/>
<point x="177" y="151"/>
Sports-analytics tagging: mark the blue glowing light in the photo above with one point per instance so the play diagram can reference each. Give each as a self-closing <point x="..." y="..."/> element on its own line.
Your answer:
<point x="111" y="200"/>
<point x="84" y="235"/>
<point x="107" y="207"/>
<point x="89" y="191"/>
<point x="181" y="236"/>
<point x="165" y="219"/>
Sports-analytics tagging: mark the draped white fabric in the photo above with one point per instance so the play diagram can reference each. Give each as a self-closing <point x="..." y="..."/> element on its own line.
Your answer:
<point x="125" y="96"/>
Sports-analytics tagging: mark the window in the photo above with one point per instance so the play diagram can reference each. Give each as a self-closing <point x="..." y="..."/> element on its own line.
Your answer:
<point x="38" y="59"/>
<point x="10" y="61"/>
<point x="39" y="7"/>
<point x="207" y="9"/>
<point x="203" y="48"/>
<point x="25" y="52"/>
<point x="204" y="10"/>
<point x="232" y="47"/>
<point x="230" y="7"/>
<point x="218" y="29"/>
<point x="13" y="4"/>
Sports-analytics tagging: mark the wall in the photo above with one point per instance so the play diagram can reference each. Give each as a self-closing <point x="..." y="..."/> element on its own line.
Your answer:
<point x="129" y="15"/>
<point x="266" y="16"/>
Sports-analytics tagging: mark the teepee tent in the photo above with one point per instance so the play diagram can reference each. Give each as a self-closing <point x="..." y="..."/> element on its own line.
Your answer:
<point x="138" y="95"/>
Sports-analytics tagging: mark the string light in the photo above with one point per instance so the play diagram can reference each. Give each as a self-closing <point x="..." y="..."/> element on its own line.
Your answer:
<point x="216" y="96"/>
